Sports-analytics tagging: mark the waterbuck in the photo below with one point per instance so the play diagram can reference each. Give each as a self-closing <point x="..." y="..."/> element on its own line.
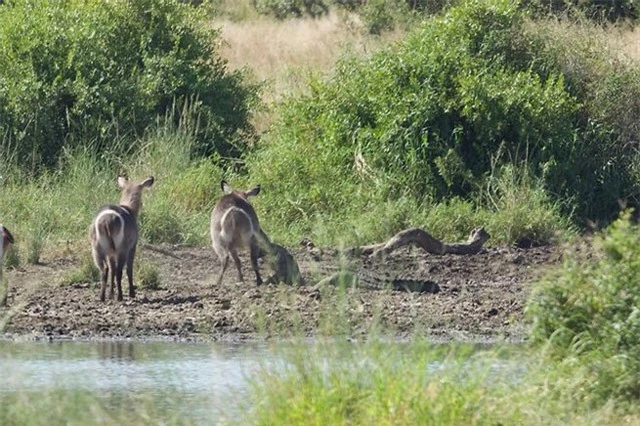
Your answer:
<point x="114" y="236"/>
<point x="6" y="239"/>
<point x="235" y="225"/>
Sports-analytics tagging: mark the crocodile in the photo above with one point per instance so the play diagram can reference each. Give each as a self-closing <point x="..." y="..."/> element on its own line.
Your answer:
<point x="374" y="281"/>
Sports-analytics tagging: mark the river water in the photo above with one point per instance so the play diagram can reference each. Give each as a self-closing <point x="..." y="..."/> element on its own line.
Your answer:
<point x="209" y="381"/>
<point x="205" y="382"/>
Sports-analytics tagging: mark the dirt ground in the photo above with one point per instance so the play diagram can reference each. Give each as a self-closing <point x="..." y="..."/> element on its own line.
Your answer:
<point x="481" y="298"/>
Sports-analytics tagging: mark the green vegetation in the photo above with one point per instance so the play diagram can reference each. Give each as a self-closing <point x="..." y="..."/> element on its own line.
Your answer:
<point x="464" y="98"/>
<point x="596" y="10"/>
<point x="86" y="272"/>
<point x="378" y="383"/>
<point x="57" y="207"/>
<point x="586" y="316"/>
<point x="79" y="407"/>
<point x="420" y="383"/>
<point x="580" y="365"/>
<point x="377" y="16"/>
<point x="479" y="116"/>
<point x="147" y="275"/>
<point x="102" y="73"/>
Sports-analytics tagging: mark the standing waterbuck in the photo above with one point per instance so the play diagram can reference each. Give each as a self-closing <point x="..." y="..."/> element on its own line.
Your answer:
<point x="235" y="225"/>
<point x="114" y="236"/>
<point x="5" y="240"/>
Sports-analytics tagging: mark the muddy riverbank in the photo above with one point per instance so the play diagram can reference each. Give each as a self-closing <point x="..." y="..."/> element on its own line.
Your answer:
<point x="480" y="297"/>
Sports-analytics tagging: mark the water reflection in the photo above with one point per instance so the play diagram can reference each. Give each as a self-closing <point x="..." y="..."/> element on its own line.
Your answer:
<point x="204" y="381"/>
<point x="197" y="381"/>
<point x="118" y="350"/>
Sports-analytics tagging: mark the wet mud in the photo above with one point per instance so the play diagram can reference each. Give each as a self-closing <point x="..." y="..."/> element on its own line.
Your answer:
<point x="481" y="297"/>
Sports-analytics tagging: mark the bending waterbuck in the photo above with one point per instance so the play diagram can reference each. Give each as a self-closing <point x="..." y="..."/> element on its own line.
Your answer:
<point x="235" y="225"/>
<point x="114" y="236"/>
<point x="6" y="239"/>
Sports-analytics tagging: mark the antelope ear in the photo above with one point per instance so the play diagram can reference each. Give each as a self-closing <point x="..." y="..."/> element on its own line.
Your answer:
<point x="148" y="182"/>
<point x="253" y="191"/>
<point x="226" y="188"/>
<point x="122" y="182"/>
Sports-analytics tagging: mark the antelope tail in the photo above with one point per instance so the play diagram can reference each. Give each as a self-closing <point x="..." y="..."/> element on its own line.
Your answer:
<point x="105" y="239"/>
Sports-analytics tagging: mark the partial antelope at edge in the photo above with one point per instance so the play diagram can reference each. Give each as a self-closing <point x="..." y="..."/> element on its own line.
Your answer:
<point x="235" y="226"/>
<point x="114" y="236"/>
<point x="7" y="240"/>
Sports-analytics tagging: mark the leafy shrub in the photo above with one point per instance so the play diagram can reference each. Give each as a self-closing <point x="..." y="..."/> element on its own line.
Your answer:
<point x="350" y="4"/>
<point x="607" y="84"/>
<point x="382" y="15"/>
<point x="282" y="9"/>
<point x="378" y="15"/>
<point x="72" y="72"/>
<point x="424" y="118"/>
<point x="433" y="117"/>
<point x="430" y="6"/>
<point x="587" y="313"/>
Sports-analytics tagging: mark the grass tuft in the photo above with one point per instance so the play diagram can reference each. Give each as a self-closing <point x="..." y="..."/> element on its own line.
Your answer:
<point x="86" y="272"/>
<point x="147" y="275"/>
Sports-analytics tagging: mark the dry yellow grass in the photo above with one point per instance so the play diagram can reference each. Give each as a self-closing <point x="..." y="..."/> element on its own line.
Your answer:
<point x="621" y="41"/>
<point x="281" y="54"/>
<point x="626" y="41"/>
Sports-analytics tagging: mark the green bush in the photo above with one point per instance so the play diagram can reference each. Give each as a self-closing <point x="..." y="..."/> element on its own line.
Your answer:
<point x="380" y="15"/>
<point x="433" y="117"/>
<point x="519" y="210"/>
<point x="89" y="70"/>
<point x="587" y="313"/>
<point x="428" y="118"/>
<point x="604" y="168"/>
<point x="282" y="9"/>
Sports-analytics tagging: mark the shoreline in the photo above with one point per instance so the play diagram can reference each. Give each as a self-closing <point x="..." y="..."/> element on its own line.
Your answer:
<point x="482" y="299"/>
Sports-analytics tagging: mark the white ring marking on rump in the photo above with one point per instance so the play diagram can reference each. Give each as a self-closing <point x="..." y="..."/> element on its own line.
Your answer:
<point x="224" y="217"/>
<point x="120" y="237"/>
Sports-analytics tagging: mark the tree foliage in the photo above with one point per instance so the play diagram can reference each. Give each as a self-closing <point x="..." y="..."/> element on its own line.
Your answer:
<point x="90" y="70"/>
